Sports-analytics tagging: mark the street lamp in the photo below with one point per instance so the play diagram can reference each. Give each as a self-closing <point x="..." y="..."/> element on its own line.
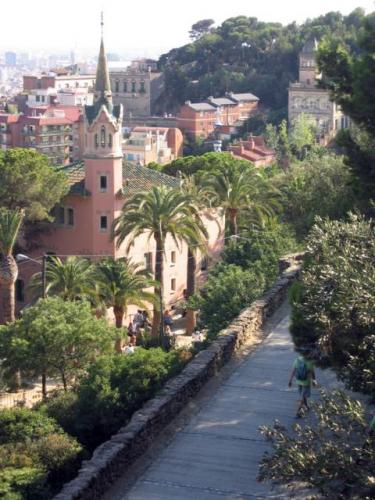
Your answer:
<point x="23" y="258"/>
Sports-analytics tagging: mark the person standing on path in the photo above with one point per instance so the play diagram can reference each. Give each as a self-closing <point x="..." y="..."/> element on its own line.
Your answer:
<point x="304" y="372"/>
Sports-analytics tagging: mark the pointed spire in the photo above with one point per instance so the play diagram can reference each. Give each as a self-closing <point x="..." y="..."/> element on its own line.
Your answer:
<point x="102" y="83"/>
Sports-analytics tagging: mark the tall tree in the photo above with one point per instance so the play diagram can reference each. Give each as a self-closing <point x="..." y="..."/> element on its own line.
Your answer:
<point x="160" y="212"/>
<point x="200" y="28"/>
<point x="70" y="279"/>
<point x="122" y="283"/>
<point x="10" y="223"/>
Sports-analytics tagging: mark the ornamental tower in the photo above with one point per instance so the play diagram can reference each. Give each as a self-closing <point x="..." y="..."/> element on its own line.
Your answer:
<point x="103" y="154"/>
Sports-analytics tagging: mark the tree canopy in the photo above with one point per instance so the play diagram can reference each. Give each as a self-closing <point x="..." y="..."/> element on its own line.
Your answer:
<point x="29" y="182"/>
<point x="245" y="54"/>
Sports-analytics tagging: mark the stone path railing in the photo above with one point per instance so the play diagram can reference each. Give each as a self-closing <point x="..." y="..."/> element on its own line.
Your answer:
<point x="111" y="459"/>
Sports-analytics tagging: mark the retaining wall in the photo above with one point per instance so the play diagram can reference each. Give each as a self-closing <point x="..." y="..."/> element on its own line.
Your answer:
<point x="111" y="459"/>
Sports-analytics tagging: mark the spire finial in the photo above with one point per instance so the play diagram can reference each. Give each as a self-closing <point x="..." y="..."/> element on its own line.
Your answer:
<point x="102" y="23"/>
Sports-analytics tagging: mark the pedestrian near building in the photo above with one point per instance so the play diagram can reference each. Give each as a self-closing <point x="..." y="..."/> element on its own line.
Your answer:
<point x="304" y="373"/>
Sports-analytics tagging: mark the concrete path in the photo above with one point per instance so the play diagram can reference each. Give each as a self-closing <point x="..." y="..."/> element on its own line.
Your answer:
<point x="216" y="454"/>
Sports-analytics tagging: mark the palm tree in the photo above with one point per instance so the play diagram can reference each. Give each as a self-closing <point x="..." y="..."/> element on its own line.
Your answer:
<point x="121" y="283"/>
<point x="239" y="190"/>
<point x="10" y="223"/>
<point x="161" y="211"/>
<point x="71" y="279"/>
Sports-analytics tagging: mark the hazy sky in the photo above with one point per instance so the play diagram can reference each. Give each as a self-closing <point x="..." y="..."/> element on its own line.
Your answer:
<point x="141" y="27"/>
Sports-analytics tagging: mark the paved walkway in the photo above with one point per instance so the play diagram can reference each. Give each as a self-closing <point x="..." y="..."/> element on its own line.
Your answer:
<point x="216" y="454"/>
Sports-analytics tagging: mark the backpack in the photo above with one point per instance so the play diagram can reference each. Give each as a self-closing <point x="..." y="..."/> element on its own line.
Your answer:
<point x="301" y="370"/>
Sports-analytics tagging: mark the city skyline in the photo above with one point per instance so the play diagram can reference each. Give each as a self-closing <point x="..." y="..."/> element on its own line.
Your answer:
<point x="148" y="32"/>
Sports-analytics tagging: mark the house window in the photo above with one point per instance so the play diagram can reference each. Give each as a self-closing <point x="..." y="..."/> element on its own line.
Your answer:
<point x="173" y="284"/>
<point x="204" y="264"/>
<point x="133" y="87"/>
<point x="103" y="183"/>
<point x="125" y="86"/>
<point x="142" y="87"/>
<point x="102" y="137"/>
<point x="20" y="291"/>
<point x="70" y="214"/>
<point x="173" y="257"/>
<point x="117" y="86"/>
<point x="103" y="223"/>
<point x="96" y="141"/>
<point x="60" y="215"/>
<point x="109" y="140"/>
<point x="148" y="261"/>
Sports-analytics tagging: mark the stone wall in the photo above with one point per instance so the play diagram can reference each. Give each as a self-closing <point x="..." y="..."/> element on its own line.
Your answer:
<point x="111" y="459"/>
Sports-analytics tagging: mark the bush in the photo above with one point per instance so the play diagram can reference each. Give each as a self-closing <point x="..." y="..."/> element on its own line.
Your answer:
<point x="22" y="424"/>
<point x="27" y="483"/>
<point x="228" y="289"/>
<point x="114" y="388"/>
<point x="36" y="456"/>
<point x="335" y="453"/>
<point x="334" y="303"/>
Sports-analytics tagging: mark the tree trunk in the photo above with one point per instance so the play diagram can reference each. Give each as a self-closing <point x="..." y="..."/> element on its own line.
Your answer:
<point x="44" y="385"/>
<point x="8" y="277"/>
<point x="233" y="229"/>
<point x="157" y="325"/>
<point x="190" y="290"/>
<point x="118" y="311"/>
<point x="63" y="378"/>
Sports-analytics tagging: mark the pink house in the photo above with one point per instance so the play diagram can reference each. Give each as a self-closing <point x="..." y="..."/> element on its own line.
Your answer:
<point x="98" y="188"/>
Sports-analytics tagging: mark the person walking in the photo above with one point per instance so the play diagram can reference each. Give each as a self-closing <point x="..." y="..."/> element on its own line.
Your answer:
<point x="304" y="373"/>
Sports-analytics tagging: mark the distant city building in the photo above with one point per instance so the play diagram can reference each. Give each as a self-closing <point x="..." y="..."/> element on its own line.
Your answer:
<point x="253" y="149"/>
<point x="305" y="96"/>
<point x="10" y="59"/>
<point x="137" y="88"/>
<point x="153" y="144"/>
<point x="55" y="131"/>
<point x="220" y="115"/>
<point x="58" y="81"/>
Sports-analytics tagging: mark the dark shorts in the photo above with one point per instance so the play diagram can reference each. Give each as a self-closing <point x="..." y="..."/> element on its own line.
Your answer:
<point x="305" y="390"/>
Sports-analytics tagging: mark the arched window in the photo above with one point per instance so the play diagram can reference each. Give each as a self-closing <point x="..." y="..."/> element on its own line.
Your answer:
<point x="117" y="86"/>
<point x="96" y="141"/>
<point x="102" y="136"/>
<point x="125" y="86"/>
<point x="109" y="140"/>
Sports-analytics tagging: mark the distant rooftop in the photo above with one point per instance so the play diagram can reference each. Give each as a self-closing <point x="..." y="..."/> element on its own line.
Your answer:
<point x="200" y="106"/>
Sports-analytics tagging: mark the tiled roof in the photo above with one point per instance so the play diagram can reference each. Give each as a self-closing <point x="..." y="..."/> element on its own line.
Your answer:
<point x="243" y="97"/>
<point x="135" y="178"/>
<point x="76" y="178"/>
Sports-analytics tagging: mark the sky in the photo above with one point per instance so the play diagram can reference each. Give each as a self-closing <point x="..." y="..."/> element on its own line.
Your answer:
<point x="139" y="27"/>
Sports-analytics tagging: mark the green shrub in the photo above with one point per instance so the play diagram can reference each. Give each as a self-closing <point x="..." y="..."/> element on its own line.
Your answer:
<point x="22" y="424"/>
<point x="27" y="483"/>
<point x="332" y="452"/>
<point x="334" y="303"/>
<point x="36" y="456"/>
<point x="228" y="289"/>
<point x="116" y="386"/>
<point x="62" y="407"/>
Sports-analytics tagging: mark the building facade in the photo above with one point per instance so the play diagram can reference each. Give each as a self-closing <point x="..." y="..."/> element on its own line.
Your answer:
<point x="153" y="144"/>
<point x="98" y="188"/>
<point x="136" y="89"/>
<point x="305" y="97"/>
<point x="221" y="115"/>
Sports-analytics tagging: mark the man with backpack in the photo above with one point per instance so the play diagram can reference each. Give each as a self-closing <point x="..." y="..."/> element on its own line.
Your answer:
<point x="303" y="371"/>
